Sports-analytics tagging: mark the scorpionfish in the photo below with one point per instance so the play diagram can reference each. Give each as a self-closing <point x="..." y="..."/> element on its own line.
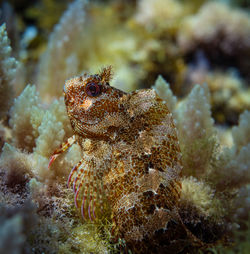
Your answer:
<point x="131" y="159"/>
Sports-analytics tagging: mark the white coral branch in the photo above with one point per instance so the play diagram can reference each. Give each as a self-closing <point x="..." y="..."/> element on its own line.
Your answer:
<point x="57" y="57"/>
<point x="241" y="133"/>
<point x="196" y="131"/>
<point x="25" y="116"/>
<point x="165" y="93"/>
<point x="8" y="66"/>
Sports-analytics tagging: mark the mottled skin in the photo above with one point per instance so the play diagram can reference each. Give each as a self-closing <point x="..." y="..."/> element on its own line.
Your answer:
<point x="131" y="157"/>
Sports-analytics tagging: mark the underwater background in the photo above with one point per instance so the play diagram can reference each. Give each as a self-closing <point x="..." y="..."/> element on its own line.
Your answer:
<point x="194" y="54"/>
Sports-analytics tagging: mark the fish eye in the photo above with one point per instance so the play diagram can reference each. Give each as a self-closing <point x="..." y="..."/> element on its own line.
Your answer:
<point x="93" y="89"/>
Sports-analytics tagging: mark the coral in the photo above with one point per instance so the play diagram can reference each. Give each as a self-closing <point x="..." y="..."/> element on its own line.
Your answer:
<point x="200" y="195"/>
<point x="154" y="13"/>
<point x="241" y="133"/>
<point x="232" y="27"/>
<point x="234" y="161"/>
<point x="45" y="224"/>
<point x="46" y="13"/>
<point x="165" y="93"/>
<point x="37" y="212"/>
<point x="61" y="50"/>
<point x="25" y="117"/>
<point x="196" y="131"/>
<point x="8" y="17"/>
<point x="8" y="67"/>
<point x="224" y="136"/>
<point x="12" y="239"/>
<point x="229" y="92"/>
<point x="52" y="131"/>
<point x="83" y="47"/>
<point x="224" y="34"/>
<point x="16" y="167"/>
<point x="16" y="223"/>
<point x="38" y="130"/>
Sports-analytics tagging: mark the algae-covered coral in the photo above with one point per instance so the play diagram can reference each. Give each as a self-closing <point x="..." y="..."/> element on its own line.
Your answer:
<point x="186" y="42"/>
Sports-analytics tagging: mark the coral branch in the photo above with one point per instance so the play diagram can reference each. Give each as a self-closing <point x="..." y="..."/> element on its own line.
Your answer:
<point x="8" y="67"/>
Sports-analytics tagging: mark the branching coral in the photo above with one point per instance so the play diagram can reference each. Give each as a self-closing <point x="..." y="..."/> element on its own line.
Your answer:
<point x="16" y="223"/>
<point x="230" y="27"/>
<point x="229" y="92"/>
<point x="234" y="161"/>
<point x="241" y="133"/>
<point x="210" y="199"/>
<point x="196" y="131"/>
<point x="83" y="47"/>
<point x="25" y="117"/>
<point x="11" y="235"/>
<point x="8" y="67"/>
<point x="78" y="44"/>
<point x="223" y="35"/>
<point x="154" y="13"/>
<point x="54" y="128"/>
<point x="38" y="130"/>
<point x="163" y="90"/>
<point x="59" y="61"/>
<point x="45" y="224"/>
<point x="214" y="202"/>
<point x="200" y="195"/>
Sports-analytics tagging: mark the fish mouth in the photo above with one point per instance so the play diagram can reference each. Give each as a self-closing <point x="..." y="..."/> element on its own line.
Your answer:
<point x="88" y="131"/>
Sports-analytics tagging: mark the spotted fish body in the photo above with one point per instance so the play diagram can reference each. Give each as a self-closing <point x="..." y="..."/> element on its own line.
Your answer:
<point x="131" y="159"/>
